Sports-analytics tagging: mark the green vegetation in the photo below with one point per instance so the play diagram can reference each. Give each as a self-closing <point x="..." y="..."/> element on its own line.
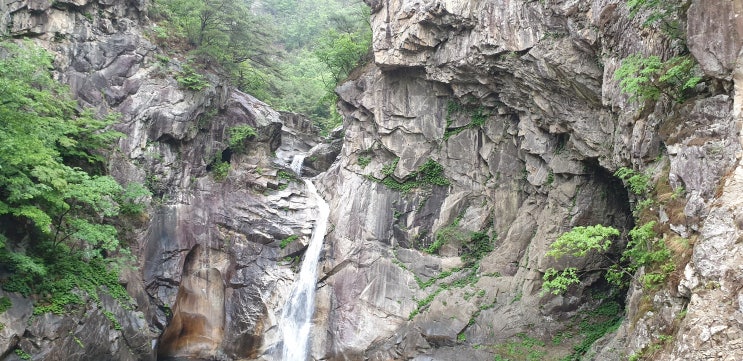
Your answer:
<point x="56" y="206"/>
<point x="582" y="240"/>
<point x="23" y="355"/>
<point x="591" y="326"/>
<point x="220" y="169"/>
<point x="287" y="241"/>
<point x="79" y="342"/>
<point x="578" y="242"/>
<point x="661" y="12"/>
<point x="647" y="78"/>
<point x="648" y="351"/>
<point x="290" y="54"/>
<point x="478" y="246"/>
<point x="389" y="169"/>
<point x="639" y="183"/>
<point x="364" y="161"/>
<point x="447" y="234"/>
<point x="341" y="51"/>
<point x="285" y="178"/>
<point x="112" y="318"/>
<point x="522" y="348"/>
<point x="5" y="304"/>
<point x="429" y="173"/>
<point x="478" y="116"/>
<point x="461" y="280"/>
<point x="189" y="79"/>
<point x="215" y="32"/>
<point x="238" y="134"/>
<point x="132" y="199"/>
<point x="324" y="40"/>
<point x="645" y="249"/>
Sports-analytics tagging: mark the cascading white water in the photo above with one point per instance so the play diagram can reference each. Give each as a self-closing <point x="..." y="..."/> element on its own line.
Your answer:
<point x="297" y="162"/>
<point x="296" y="316"/>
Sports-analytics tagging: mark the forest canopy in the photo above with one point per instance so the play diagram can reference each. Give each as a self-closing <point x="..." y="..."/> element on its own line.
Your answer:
<point x="288" y="53"/>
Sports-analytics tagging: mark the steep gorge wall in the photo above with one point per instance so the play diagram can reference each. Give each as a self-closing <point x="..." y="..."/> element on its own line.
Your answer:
<point x="556" y="129"/>
<point x="210" y="276"/>
<point x="514" y="99"/>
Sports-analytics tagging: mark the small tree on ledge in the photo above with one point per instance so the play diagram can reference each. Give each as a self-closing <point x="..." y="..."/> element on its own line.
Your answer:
<point x="644" y="249"/>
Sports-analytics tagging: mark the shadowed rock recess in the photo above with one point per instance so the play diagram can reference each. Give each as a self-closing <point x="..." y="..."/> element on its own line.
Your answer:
<point x="481" y="131"/>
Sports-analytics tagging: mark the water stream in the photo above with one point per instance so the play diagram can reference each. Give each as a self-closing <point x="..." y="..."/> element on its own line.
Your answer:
<point x="296" y="316"/>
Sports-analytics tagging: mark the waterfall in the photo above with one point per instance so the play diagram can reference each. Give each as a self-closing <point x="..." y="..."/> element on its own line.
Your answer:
<point x="296" y="316"/>
<point x="297" y="162"/>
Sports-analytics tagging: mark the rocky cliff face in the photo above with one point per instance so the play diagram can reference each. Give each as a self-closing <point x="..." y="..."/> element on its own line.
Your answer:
<point x="211" y="276"/>
<point x="493" y="125"/>
<point x="517" y="101"/>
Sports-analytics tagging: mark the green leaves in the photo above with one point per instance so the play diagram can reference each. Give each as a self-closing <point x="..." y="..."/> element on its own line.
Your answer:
<point x="429" y="173"/>
<point x="557" y="282"/>
<point x="132" y="200"/>
<point x="54" y="204"/>
<point x="342" y="51"/>
<point x="579" y="241"/>
<point x="647" y="78"/>
<point x="639" y="183"/>
<point x="287" y="241"/>
<point x="189" y="79"/>
<point x="239" y="133"/>
<point x="644" y="249"/>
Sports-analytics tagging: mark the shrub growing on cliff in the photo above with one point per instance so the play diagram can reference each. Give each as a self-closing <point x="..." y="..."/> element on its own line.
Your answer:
<point x="54" y="201"/>
<point x="428" y="174"/>
<point x="639" y="183"/>
<point x="578" y="242"/>
<point x="644" y="249"/>
<point x="189" y="79"/>
<point x="647" y="78"/>
<point x="239" y="133"/>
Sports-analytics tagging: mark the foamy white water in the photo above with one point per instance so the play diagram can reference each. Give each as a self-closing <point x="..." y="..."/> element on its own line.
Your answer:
<point x="297" y="162"/>
<point x="296" y="317"/>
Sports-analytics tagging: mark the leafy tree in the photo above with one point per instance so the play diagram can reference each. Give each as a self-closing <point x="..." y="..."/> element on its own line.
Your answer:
<point x="290" y="54"/>
<point x="578" y="242"/>
<point x="221" y="32"/>
<point x="644" y="249"/>
<point x="315" y="35"/>
<point x="341" y="52"/>
<point x="647" y="78"/>
<point x="54" y="202"/>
